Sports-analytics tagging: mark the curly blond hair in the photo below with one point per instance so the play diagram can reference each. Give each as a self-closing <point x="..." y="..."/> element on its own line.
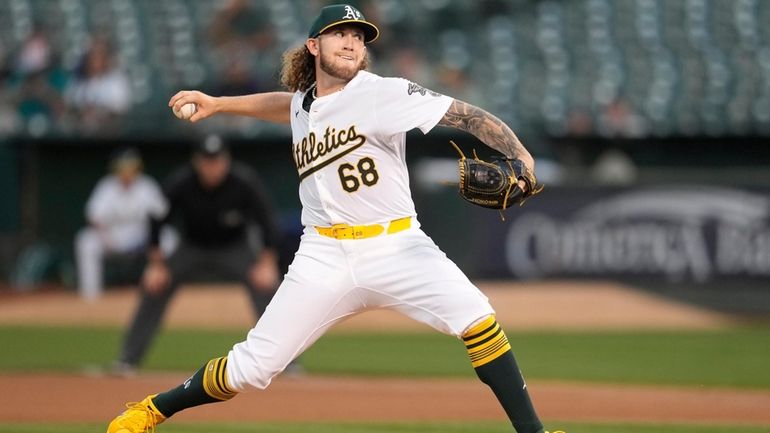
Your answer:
<point x="298" y="68"/>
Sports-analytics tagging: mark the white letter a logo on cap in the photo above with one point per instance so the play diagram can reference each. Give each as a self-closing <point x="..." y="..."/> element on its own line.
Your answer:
<point x="351" y="13"/>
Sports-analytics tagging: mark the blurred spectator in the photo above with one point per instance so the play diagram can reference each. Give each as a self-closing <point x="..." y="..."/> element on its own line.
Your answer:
<point x="240" y="36"/>
<point x="39" y="104"/>
<point x="619" y="120"/>
<point x="100" y="92"/>
<point x="241" y="42"/>
<point x="580" y="123"/>
<point x="218" y="202"/>
<point x="36" y="83"/>
<point x="117" y="213"/>
<point x="35" y="54"/>
<point x="239" y="79"/>
<point x="238" y="23"/>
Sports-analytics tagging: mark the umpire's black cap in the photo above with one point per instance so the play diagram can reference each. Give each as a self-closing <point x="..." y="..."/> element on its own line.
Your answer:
<point x="334" y="15"/>
<point x="211" y="146"/>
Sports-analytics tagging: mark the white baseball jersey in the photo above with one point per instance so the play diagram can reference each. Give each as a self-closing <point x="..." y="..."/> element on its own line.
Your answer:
<point x="350" y="155"/>
<point x="124" y="211"/>
<point x="356" y="173"/>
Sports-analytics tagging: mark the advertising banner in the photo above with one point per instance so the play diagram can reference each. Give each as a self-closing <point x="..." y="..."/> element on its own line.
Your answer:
<point x="677" y="233"/>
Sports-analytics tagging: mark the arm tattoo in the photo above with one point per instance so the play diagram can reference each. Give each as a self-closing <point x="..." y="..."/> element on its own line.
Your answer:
<point x="485" y="126"/>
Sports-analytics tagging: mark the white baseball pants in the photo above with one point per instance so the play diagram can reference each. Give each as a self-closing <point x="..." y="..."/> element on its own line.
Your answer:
<point x="330" y="280"/>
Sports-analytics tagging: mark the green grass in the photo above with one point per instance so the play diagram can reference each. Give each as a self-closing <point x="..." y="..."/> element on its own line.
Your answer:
<point x="466" y="427"/>
<point x="71" y="348"/>
<point x="733" y="357"/>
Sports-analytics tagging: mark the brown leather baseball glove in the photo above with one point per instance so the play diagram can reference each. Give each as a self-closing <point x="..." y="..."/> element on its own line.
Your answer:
<point x="495" y="184"/>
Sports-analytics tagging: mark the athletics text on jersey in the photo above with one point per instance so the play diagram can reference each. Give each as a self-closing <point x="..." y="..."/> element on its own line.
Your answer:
<point x="349" y="149"/>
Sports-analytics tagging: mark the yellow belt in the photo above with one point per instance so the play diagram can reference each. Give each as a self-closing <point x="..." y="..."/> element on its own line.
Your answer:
<point x="345" y="231"/>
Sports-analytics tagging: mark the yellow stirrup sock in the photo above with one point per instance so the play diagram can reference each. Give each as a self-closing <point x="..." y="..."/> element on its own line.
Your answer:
<point x="493" y="360"/>
<point x="208" y="385"/>
<point x="486" y="342"/>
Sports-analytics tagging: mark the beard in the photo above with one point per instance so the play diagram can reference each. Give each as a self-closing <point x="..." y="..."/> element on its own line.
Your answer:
<point x="329" y="65"/>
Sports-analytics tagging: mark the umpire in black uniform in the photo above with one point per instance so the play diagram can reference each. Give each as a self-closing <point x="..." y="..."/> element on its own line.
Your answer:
<point x="217" y="201"/>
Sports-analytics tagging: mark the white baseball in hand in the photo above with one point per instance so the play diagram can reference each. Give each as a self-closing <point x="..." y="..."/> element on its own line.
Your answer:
<point x="186" y="111"/>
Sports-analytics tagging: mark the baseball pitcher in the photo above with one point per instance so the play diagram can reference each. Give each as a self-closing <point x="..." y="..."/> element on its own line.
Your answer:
<point x="362" y="246"/>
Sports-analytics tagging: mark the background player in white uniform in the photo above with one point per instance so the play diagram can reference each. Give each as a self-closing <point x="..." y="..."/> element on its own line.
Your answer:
<point x="118" y="214"/>
<point x="362" y="247"/>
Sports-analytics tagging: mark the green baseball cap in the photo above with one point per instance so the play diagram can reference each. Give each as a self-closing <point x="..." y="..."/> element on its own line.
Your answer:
<point x="334" y="15"/>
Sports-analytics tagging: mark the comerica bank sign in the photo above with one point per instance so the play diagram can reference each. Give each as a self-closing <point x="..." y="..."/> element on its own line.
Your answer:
<point x="696" y="233"/>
